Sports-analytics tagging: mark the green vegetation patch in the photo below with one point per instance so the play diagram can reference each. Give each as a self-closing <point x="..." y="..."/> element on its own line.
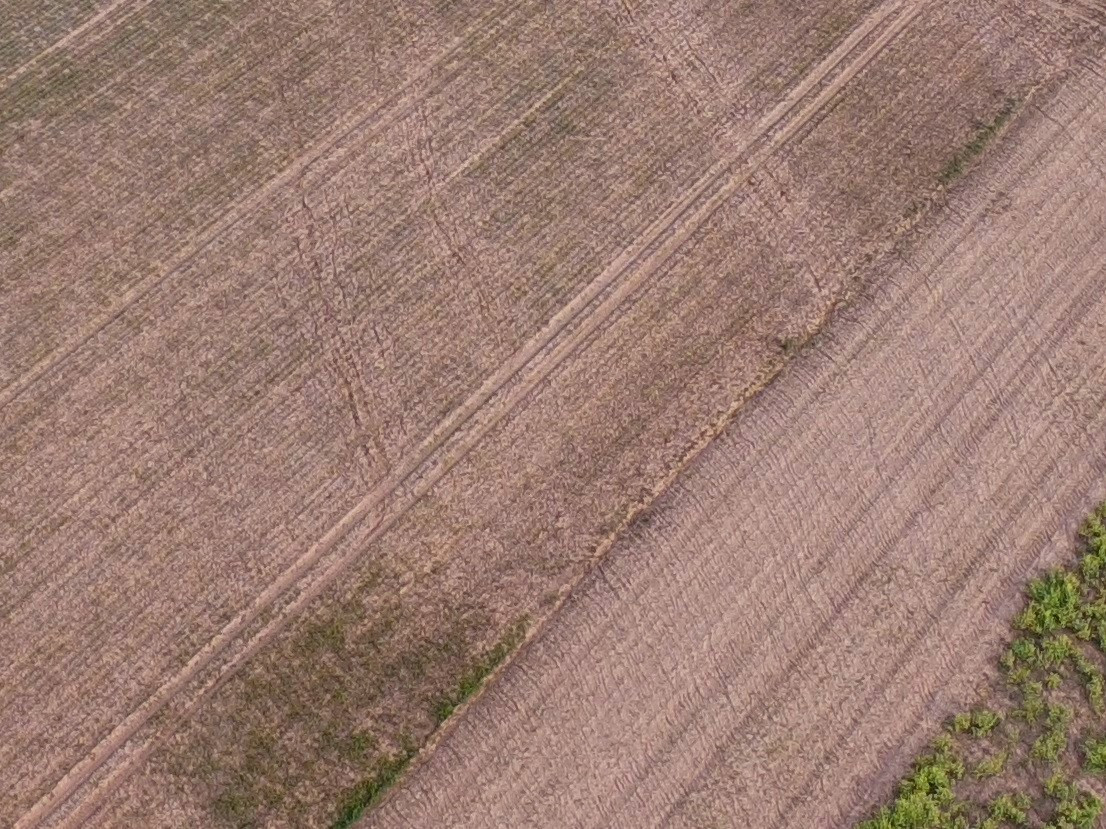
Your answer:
<point x="320" y="727"/>
<point x="984" y="135"/>
<point x="1035" y="758"/>
<point x="390" y="768"/>
<point x="474" y="677"/>
<point x="1095" y="754"/>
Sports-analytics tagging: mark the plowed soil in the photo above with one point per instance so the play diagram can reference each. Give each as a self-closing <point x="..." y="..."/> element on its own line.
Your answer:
<point x="771" y="642"/>
<point x="337" y="338"/>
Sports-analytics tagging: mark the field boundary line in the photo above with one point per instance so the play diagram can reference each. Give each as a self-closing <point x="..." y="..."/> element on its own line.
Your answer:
<point x="439" y="452"/>
<point x="948" y="248"/>
<point x="374" y="119"/>
<point x="977" y="376"/>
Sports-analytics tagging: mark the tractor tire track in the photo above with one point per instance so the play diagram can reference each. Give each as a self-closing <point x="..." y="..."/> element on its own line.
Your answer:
<point x="79" y="31"/>
<point x="357" y="125"/>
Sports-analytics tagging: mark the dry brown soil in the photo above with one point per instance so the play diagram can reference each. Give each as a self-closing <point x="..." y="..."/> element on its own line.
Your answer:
<point x="771" y="641"/>
<point x="336" y="337"/>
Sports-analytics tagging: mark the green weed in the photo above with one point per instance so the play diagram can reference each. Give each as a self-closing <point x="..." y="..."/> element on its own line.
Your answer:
<point x="1033" y="702"/>
<point x="1094" y="754"/>
<point x="387" y="771"/>
<point x="390" y="768"/>
<point x="991" y="767"/>
<point x="1062" y="624"/>
<point x="1008" y="810"/>
<point x="1055" y="738"/>
<point x="926" y="799"/>
<point x="984" y="135"/>
<point x="1093" y="681"/>
<point x="1057" y="650"/>
<point x="474" y="678"/>
<point x="1075" y="809"/>
<point x="979" y="723"/>
<point x="1055" y="604"/>
<point x="984" y="722"/>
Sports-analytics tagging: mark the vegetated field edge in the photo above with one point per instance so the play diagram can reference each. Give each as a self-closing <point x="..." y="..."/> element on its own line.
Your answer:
<point x="985" y="133"/>
<point x="390" y="769"/>
<point x="1036" y="757"/>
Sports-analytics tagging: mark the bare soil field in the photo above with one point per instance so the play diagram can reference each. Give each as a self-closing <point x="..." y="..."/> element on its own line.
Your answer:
<point x="771" y="642"/>
<point x="338" y="341"/>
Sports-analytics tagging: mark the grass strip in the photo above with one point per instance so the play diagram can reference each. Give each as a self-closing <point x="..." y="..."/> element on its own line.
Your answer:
<point x="390" y="768"/>
<point x="984" y="135"/>
<point x="1035" y="758"/>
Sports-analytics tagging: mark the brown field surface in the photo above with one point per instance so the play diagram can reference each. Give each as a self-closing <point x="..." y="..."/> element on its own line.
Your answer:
<point x="771" y="642"/>
<point x="338" y="339"/>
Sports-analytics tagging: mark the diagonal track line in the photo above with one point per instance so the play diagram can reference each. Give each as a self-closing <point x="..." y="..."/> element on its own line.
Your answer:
<point x="374" y="119"/>
<point x="75" y="34"/>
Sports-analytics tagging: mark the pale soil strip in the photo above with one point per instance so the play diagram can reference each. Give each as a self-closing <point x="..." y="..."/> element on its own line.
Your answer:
<point x="1070" y="10"/>
<point x="643" y="645"/>
<point x="1080" y="306"/>
<point x="67" y="40"/>
<point x="375" y="118"/>
<point x="1092" y="6"/>
<point x="636" y="263"/>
